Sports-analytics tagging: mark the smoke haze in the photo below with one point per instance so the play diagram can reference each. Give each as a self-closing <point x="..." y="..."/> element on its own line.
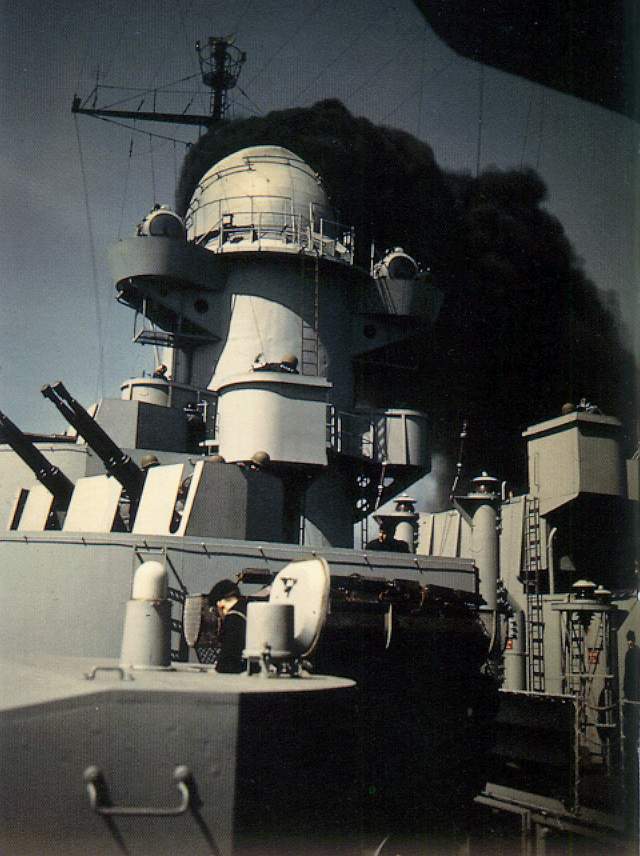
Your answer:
<point x="522" y="330"/>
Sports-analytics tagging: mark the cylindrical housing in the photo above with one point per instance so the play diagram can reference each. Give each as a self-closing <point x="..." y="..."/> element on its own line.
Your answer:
<point x="484" y="546"/>
<point x="402" y="437"/>
<point x="150" y="582"/>
<point x="146" y="639"/>
<point x="269" y="629"/>
<point x="151" y="390"/>
<point x="284" y="415"/>
<point x="514" y="654"/>
<point x="405" y="531"/>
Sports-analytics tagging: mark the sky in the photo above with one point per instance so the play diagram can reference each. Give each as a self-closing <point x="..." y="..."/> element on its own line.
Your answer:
<point x="71" y="186"/>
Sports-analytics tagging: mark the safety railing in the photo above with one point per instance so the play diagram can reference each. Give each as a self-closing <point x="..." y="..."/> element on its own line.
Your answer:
<point x="269" y="228"/>
<point x="352" y="433"/>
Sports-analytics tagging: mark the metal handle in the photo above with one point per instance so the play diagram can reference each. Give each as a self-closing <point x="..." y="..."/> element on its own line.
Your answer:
<point x="95" y="784"/>
<point x="124" y="676"/>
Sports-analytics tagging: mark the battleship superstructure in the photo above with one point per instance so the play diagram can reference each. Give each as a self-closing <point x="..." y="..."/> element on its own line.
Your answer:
<point x="371" y="712"/>
<point x="244" y="456"/>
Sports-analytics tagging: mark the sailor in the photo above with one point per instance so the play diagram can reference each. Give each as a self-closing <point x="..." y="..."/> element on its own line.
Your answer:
<point x="631" y="724"/>
<point x="232" y="607"/>
<point x="289" y="364"/>
<point x="160" y="372"/>
<point x="148" y="461"/>
<point x="387" y="541"/>
<point x="181" y="500"/>
<point x="125" y="512"/>
<point x="631" y="684"/>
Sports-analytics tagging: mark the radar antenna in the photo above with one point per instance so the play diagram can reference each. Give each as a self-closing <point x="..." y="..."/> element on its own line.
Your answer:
<point x="220" y="65"/>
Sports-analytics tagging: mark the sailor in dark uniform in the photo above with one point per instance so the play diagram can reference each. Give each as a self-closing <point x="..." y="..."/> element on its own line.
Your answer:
<point x="631" y="684"/>
<point x="232" y="607"/>
<point x="631" y="728"/>
<point x="387" y="541"/>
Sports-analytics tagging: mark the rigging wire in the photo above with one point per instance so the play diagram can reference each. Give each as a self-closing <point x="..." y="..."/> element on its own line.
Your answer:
<point x="372" y="77"/>
<point x="186" y="143"/>
<point x="143" y="90"/>
<point x="125" y="19"/>
<point x="175" y="169"/>
<point x="305" y="21"/>
<point x="421" y="99"/>
<point x="153" y="172"/>
<point x="253" y="103"/>
<point x="543" y="105"/>
<point x="245" y="108"/>
<point x="149" y="89"/>
<point x="242" y="16"/>
<point x="526" y="127"/>
<point x="94" y="267"/>
<point x="83" y="62"/>
<point x="184" y="13"/>
<point x="480" y="119"/>
<point x="336" y="58"/>
<point x="126" y="187"/>
<point x="420" y="88"/>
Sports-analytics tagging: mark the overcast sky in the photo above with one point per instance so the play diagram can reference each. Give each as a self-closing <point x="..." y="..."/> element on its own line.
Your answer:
<point x="59" y="321"/>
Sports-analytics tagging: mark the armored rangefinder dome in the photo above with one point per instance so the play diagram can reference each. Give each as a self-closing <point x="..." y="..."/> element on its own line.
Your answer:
<point x="258" y="193"/>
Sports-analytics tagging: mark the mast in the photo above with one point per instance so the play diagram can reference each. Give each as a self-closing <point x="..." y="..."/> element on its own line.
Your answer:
<point x="220" y="70"/>
<point x="220" y="65"/>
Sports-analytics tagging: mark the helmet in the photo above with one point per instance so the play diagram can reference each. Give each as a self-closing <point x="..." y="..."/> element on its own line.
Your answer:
<point x="148" y="461"/>
<point x="289" y="360"/>
<point x="222" y="590"/>
<point x="260" y="459"/>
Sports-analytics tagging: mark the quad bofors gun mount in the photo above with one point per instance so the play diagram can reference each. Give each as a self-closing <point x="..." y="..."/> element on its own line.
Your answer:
<point x="49" y="476"/>
<point x="117" y="463"/>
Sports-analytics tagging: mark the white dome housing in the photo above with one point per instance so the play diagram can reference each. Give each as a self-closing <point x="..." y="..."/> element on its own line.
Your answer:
<point x="261" y="198"/>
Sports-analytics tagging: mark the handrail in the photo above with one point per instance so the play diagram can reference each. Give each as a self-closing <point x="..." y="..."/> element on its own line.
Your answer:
<point x="286" y="226"/>
<point x="96" y="786"/>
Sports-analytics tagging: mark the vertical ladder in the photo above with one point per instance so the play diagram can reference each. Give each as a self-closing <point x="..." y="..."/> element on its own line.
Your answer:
<point x="608" y="703"/>
<point x="577" y="667"/>
<point x="364" y="532"/>
<point x="533" y="591"/>
<point x="363" y="506"/>
<point x="578" y="671"/>
<point x="310" y="358"/>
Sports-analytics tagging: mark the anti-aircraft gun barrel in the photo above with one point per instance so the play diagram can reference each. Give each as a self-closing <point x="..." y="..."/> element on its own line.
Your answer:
<point x="49" y="475"/>
<point x="116" y="462"/>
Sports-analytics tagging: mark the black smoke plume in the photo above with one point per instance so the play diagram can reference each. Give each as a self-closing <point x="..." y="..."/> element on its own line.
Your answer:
<point x="522" y="330"/>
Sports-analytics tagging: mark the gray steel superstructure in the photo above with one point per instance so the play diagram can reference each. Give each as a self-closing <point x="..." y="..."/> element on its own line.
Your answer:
<point x="267" y="456"/>
<point x="246" y="455"/>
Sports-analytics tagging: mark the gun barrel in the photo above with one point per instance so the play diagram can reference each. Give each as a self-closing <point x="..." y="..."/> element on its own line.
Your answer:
<point x="49" y="475"/>
<point x="116" y="462"/>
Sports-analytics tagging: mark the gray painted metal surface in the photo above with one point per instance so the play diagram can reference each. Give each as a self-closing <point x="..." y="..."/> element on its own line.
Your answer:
<point x="80" y="585"/>
<point x="137" y="731"/>
<point x="89" y="764"/>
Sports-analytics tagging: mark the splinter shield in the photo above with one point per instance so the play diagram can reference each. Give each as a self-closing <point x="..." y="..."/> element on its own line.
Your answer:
<point x="192" y="617"/>
<point x="201" y="626"/>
